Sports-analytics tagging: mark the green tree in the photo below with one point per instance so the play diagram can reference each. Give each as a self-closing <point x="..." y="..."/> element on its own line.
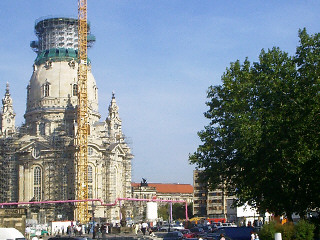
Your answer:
<point x="163" y="212"/>
<point x="178" y="211"/>
<point x="262" y="142"/>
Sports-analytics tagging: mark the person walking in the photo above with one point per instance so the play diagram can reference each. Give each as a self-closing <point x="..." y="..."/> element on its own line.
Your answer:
<point x="144" y="227"/>
<point x="136" y="229"/>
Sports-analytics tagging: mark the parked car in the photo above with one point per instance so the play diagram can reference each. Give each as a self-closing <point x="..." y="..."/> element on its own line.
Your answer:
<point x="177" y="227"/>
<point x="173" y="227"/>
<point x="227" y="225"/>
<point x="215" y="235"/>
<point x="207" y="228"/>
<point x="176" y="235"/>
<point x="187" y="233"/>
<point x="198" y="232"/>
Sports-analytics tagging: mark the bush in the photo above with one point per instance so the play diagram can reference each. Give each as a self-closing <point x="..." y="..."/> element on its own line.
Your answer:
<point x="302" y="231"/>
<point x="268" y="231"/>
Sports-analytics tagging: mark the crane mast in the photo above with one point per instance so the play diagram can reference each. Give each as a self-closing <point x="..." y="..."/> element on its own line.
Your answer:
<point x="82" y="116"/>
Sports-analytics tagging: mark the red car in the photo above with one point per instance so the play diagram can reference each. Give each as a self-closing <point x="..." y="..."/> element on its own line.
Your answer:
<point x="187" y="233"/>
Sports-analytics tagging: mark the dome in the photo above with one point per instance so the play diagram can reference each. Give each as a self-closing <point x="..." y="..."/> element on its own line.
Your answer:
<point x="53" y="89"/>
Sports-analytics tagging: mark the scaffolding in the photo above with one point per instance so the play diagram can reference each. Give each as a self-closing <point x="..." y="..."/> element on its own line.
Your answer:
<point x="57" y="33"/>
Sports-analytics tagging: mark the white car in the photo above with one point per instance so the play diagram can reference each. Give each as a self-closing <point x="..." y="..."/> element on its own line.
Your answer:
<point x="173" y="227"/>
<point x="177" y="227"/>
<point x="227" y="225"/>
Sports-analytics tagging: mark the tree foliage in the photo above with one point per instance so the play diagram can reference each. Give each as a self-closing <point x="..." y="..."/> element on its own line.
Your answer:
<point x="178" y="211"/>
<point x="263" y="139"/>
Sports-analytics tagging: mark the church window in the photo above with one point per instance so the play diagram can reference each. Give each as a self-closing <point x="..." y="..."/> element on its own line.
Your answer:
<point x="37" y="193"/>
<point x="37" y="183"/>
<point x="89" y="174"/>
<point x="46" y="90"/>
<point x="90" y="181"/>
<point x="90" y="151"/>
<point x="42" y="129"/>
<point x="75" y="90"/>
<point x="90" y="193"/>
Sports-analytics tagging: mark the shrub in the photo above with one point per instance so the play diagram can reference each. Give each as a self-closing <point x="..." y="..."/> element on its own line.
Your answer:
<point x="304" y="230"/>
<point x="267" y="232"/>
<point x="287" y="231"/>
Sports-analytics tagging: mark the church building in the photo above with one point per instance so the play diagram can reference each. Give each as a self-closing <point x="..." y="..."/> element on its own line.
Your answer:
<point x="37" y="159"/>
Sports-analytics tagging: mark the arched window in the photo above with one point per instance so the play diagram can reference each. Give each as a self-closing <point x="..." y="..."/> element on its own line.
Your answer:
<point x="75" y="90"/>
<point x="37" y="183"/>
<point x="46" y="90"/>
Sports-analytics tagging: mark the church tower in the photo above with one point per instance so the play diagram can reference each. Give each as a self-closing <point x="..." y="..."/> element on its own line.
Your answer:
<point x="7" y="115"/>
<point x="41" y="152"/>
<point x="114" y="122"/>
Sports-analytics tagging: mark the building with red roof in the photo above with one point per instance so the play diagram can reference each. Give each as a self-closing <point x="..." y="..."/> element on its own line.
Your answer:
<point x="164" y="191"/>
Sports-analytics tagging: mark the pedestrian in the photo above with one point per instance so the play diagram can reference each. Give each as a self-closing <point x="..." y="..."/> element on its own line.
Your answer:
<point x="28" y="232"/>
<point x="97" y="228"/>
<point x="136" y="229"/>
<point x="94" y="232"/>
<point x="144" y="227"/>
<point x="103" y="232"/>
<point x="222" y="237"/>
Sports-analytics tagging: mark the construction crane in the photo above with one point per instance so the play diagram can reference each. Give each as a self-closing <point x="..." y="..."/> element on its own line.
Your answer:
<point x="82" y="117"/>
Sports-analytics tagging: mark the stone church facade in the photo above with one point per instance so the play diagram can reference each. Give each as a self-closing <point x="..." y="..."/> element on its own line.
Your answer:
<point x="37" y="159"/>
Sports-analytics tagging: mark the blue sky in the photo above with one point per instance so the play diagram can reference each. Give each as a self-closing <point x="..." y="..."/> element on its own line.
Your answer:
<point x="159" y="57"/>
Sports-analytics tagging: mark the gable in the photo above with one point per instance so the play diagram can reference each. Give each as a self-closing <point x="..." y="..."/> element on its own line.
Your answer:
<point x="35" y="145"/>
<point x="116" y="148"/>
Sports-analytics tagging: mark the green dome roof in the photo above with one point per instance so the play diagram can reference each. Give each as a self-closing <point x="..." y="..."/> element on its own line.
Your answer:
<point x="57" y="55"/>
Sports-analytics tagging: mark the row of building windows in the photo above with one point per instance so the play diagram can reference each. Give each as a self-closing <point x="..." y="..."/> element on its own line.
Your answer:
<point x="215" y="194"/>
<point x="45" y="89"/>
<point x="200" y="201"/>
<point x="215" y="201"/>
<point x="215" y="208"/>
<point x="200" y="195"/>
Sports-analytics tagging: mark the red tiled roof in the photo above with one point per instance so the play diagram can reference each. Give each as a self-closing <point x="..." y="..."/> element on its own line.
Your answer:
<point x="169" y="187"/>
